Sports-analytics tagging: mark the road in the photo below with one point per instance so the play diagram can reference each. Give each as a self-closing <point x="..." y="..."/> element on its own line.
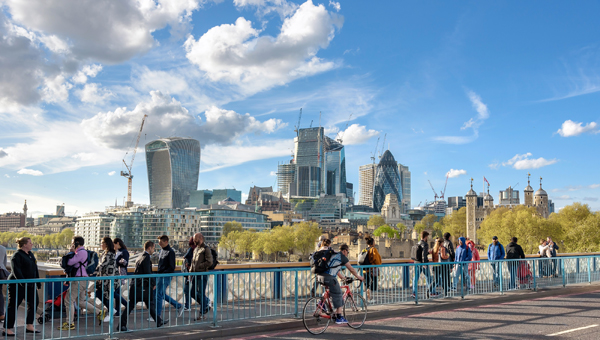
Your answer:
<point x="575" y="316"/>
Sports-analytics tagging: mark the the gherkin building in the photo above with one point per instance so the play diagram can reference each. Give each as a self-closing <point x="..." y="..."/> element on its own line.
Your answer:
<point x="387" y="180"/>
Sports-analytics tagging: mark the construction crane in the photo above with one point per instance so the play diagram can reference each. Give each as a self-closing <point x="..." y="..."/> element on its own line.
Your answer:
<point x="375" y="151"/>
<point x="297" y="130"/>
<point x="445" y="185"/>
<point x="341" y="133"/>
<point x="382" y="146"/>
<point x="128" y="174"/>
<point x="434" y="193"/>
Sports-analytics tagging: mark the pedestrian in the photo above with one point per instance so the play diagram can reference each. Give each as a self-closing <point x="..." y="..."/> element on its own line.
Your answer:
<point x="106" y="268"/>
<point x="142" y="289"/>
<point x="437" y="256"/>
<point x="4" y="273"/>
<point x="473" y="267"/>
<point x="77" y="292"/>
<point x="447" y="268"/>
<point x="495" y="253"/>
<point x="187" y="262"/>
<point x="201" y="262"/>
<point x="24" y="267"/>
<point x="463" y="254"/>
<point x="166" y="265"/>
<point x="422" y="257"/>
<point x="513" y="252"/>
<point x="371" y="274"/>
<point x="553" y="248"/>
<point x="122" y="260"/>
<point x="544" y="252"/>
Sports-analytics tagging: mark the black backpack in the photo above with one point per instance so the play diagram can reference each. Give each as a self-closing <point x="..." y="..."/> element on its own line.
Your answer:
<point x="214" y="256"/>
<point x="449" y="249"/>
<point x="91" y="263"/>
<point x="363" y="258"/>
<point x="416" y="252"/>
<point x="319" y="261"/>
<point x="64" y="264"/>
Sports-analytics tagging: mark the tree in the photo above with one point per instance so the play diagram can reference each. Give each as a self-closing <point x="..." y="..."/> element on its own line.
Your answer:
<point x="228" y="241"/>
<point x="284" y="238"/>
<point x="428" y="221"/>
<point x="438" y="230"/>
<point x="419" y="227"/>
<point x="376" y="221"/>
<point x="231" y="226"/>
<point x="306" y="235"/>
<point x="456" y="224"/>
<point x="386" y="230"/>
<point x="401" y="228"/>
<point x="245" y="240"/>
<point x="260" y="242"/>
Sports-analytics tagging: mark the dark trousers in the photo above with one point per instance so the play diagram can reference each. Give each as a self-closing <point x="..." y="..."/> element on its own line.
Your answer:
<point x="513" y="267"/>
<point x="106" y="302"/>
<point x="199" y="291"/>
<point x="16" y="294"/>
<point x="446" y="275"/>
<point x="140" y="294"/>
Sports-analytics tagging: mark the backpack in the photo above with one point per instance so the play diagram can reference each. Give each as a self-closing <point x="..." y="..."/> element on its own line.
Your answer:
<point x="449" y="250"/>
<point x="363" y="258"/>
<point x="91" y="263"/>
<point x="64" y="264"/>
<point x="214" y="256"/>
<point x="319" y="261"/>
<point x="416" y="252"/>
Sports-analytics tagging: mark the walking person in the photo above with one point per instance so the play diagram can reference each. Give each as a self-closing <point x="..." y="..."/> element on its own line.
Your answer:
<point x="437" y="255"/>
<point x="463" y="254"/>
<point x="496" y="252"/>
<point x="166" y="265"/>
<point x="447" y="268"/>
<point x="553" y="248"/>
<point x="187" y="262"/>
<point x="201" y="262"/>
<point x="514" y="252"/>
<point x="77" y="292"/>
<point x="473" y="267"/>
<point x="122" y="260"/>
<point x="422" y="253"/>
<point x="544" y="265"/>
<point x="4" y="273"/>
<point x="371" y="274"/>
<point x="106" y="268"/>
<point x="143" y="289"/>
<point x="24" y="266"/>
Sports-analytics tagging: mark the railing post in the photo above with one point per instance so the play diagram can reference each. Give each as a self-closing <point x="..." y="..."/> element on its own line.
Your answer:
<point x="215" y="298"/>
<point x="418" y="276"/>
<point x="589" y="271"/>
<point x="111" y="303"/>
<point x="462" y="281"/>
<point x="296" y="295"/>
<point x="534" y="277"/>
<point x="562" y="267"/>
<point x="500" y="266"/>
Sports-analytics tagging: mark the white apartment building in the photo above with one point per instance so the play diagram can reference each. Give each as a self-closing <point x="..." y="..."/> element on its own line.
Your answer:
<point x="405" y="205"/>
<point x="366" y="179"/>
<point x="93" y="227"/>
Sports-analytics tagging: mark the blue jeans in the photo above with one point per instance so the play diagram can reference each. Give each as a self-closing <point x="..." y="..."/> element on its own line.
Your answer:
<point x="418" y="271"/>
<point x="496" y="268"/>
<point x="466" y="279"/>
<point x="187" y="299"/>
<point x="161" y="295"/>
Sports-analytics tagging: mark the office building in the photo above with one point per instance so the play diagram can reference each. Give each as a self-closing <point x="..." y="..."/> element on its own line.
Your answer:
<point x="173" y="169"/>
<point x="335" y="167"/>
<point x="93" y="227"/>
<point x="350" y="193"/>
<point x="509" y="197"/>
<point x="328" y="207"/>
<point x="387" y="180"/>
<point x="366" y="179"/>
<point x="286" y="174"/>
<point x="219" y="195"/>
<point x="405" y="203"/>
<point x="456" y="202"/>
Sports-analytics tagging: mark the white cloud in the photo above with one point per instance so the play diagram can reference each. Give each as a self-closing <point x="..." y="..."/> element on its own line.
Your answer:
<point x="455" y="173"/>
<point x="273" y="173"/>
<point x="87" y="71"/>
<point x="237" y="54"/>
<point x="576" y="187"/>
<point x="263" y="7"/>
<point x="563" y="198"/>
<point x="92" y="93"/>
<point x="473" y="123"/>
<point x="522" y="162"/>
<point x="570" y="128"/>
<point x="357" y="134"/>
<point x="7" y="175"/>
<point x="56" y="89"/>
<point x="494" y="166"/>
<point x="30" y="172"/>
<point x="3" y="153"/>
<point x="212" y="155"/>
<point x="112" y="173"/>
<point x="335" y="5"/>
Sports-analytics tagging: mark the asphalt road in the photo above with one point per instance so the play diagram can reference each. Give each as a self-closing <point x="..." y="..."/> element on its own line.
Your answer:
<point x="574" y="316"/>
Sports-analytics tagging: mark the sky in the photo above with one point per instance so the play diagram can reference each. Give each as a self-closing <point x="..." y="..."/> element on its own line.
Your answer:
<point x="466" y="89"/>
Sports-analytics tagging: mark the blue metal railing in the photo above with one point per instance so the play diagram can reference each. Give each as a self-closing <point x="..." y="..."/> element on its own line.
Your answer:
<point x="257" y="293"/>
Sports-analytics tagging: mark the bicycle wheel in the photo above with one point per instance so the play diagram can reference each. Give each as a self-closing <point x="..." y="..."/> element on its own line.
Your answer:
<point x="312" y="316"/>
<point x="355" y="310"/>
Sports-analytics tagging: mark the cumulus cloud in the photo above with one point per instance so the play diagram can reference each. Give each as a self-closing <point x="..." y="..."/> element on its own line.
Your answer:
<point x="87" y="71"/>
<point x="455" y="173"/>
<point x="522" y="162"/>
<point x="56" y="89"/>
<point x="576" y="187"/>
<point x="212" y="155"/>
<point x="112" y="173"/>
<point x="357" y="134"/>
<point x="273" y="173"/>
<point x="570" y="128"/>
<point x="335" y="5"/>
<point x="167" y="117"/>
<point x="92" y="93"/>
<point x="473" y="123"/>
<point x="3" y="153"/>
<point x="494" y="166"/>
<point x="237" y="54"/>
<point x="30" y="172"/>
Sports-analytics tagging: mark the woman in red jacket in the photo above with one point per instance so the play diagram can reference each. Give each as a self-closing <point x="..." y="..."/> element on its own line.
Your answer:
<point x="473" y="266"/>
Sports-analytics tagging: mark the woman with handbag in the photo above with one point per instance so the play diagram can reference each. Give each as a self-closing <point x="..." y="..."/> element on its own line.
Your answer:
<point x="106" y="267"/>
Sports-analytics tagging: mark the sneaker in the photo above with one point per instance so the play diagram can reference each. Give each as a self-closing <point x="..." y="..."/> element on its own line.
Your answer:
<point x="340" y="320"/>
<point x="66" y="327"/>
<point x="106" y="318"/>
<point x="472" y="286"/>
<point x="413" y="295"/>
<point x="434" y="294"/>
<point x="372" y="301"/>
<point x="180" y="311"/>
<point x="150" y="319"/>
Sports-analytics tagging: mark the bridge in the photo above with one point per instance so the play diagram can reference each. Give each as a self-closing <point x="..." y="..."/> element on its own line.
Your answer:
<point x="269" y="299"/>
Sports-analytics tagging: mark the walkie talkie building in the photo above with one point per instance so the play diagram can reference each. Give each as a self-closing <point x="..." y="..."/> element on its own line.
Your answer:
<point x="173" y="169"/>
<point x="387" y="180"/>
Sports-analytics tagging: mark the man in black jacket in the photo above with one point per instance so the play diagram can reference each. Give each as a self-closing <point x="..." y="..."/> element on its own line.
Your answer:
<point x="140" y="288"/>
<point x="513" y="252"/>
<point x="422" y="258"/>
<point x="166" y="265"/>
<point x="447" y="268"/>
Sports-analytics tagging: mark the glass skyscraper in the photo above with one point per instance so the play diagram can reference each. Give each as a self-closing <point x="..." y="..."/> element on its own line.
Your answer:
<point x="173" y="169"/>
<point x="387" y="180"/>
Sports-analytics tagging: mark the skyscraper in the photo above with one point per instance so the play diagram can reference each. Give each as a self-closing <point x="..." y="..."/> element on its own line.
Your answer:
<point x="173" y="169"/>
<point x="387" y="180"/>
<point x="405" y="204"/>
<point x="335" y="166"/>
<point x="366" y="179"/>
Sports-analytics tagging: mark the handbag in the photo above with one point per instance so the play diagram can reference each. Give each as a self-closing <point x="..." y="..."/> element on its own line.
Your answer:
<point x="4" y="274"/>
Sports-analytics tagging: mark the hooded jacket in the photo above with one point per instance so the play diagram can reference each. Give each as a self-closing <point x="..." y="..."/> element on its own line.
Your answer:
<point x="514" y="251"/>
<point x="495" y="252"/>
<point x="463" y="253"/>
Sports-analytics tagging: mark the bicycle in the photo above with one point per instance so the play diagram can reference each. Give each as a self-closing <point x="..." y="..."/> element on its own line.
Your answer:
<point x="318" y="311"/>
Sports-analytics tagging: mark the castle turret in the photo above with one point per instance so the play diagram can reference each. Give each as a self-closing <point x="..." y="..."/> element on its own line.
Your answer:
<point x="528" y="192"/>
<point x="471" y="214"/>
<point x="488" y="200"/>
<point x="541" y="201"/>
<point x="25" y="210"/>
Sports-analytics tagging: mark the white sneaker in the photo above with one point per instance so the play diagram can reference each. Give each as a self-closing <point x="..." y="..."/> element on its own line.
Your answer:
<point x="372" y="301"/>
<point x="150" y="319"/>
<point x="107" y="318"/>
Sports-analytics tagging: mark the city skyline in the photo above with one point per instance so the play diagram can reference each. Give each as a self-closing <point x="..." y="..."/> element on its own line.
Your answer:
<point x="454" y="87"/>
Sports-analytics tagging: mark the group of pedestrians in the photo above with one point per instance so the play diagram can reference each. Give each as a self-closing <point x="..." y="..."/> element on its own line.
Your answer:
<point x="113" y="261"/>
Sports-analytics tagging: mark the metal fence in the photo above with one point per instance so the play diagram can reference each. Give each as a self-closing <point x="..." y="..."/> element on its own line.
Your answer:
<point x="258" y="293"/>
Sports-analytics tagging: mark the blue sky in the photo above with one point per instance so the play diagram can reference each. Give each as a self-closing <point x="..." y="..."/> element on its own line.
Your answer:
<point x="494" y="89"/>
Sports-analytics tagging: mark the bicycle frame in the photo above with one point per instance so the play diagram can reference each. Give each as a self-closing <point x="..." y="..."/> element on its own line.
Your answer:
<point x="326" y="298"/>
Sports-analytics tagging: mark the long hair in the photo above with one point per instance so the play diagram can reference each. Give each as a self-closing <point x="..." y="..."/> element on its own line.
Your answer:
<point x="438" y="244"/>
<point x="110" y="246"/>
<point x="120" y="243"/>
<point x="22" y="241"/>
<point x="191" y="243"/>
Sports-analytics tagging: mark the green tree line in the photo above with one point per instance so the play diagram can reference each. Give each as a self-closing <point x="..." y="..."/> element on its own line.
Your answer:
<point x="53" y="241"/>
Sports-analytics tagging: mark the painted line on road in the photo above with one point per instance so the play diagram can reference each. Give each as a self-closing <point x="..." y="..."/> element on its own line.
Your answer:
<point x="572" y="330"/>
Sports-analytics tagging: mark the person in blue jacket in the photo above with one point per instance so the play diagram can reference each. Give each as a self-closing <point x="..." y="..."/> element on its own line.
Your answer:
<point x="496" y="252"/>
<point x="463" y="254"/>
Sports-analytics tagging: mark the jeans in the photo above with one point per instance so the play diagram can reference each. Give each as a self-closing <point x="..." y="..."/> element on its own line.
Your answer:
<point x="496" y="268"/>
<point x="162" y="283"/>
<point x="199" y="284"/>
<point x="438" y="273"/>
<point x="418" y="271"/>
<point x="465" y="275"/>
<point x="187" y="299"/>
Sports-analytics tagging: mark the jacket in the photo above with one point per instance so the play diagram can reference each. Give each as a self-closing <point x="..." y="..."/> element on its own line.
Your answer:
<point x="143" y="266"/>
<point x="188" y="257"/>
<point x="514" y="251"/>
<point x="3" y="258"/>
<point x="554" y="249"/>
<point x="202" y="259"/>
<point x="106" y="267"/>
<point x="495" y="252"/>
<point x="122" y="260"/>
<point x="450" y="247"/>
<point x="166" y="260"/>
<point x="463" y="253"/>
<point x="474" y="257"/>
<point x="425" y="249"/>
<point x="24" y="266"/>
<point x="79" y="261"/>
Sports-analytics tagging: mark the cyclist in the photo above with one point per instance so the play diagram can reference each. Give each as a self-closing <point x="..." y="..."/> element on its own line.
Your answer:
<point x="337" y="261"/>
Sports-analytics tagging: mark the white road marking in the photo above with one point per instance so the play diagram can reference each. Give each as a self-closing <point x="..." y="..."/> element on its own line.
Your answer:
<point x="572" y="330"/>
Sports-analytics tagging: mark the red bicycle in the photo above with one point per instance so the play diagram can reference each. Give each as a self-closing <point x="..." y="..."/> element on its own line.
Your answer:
<point x="318" y="311"/>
